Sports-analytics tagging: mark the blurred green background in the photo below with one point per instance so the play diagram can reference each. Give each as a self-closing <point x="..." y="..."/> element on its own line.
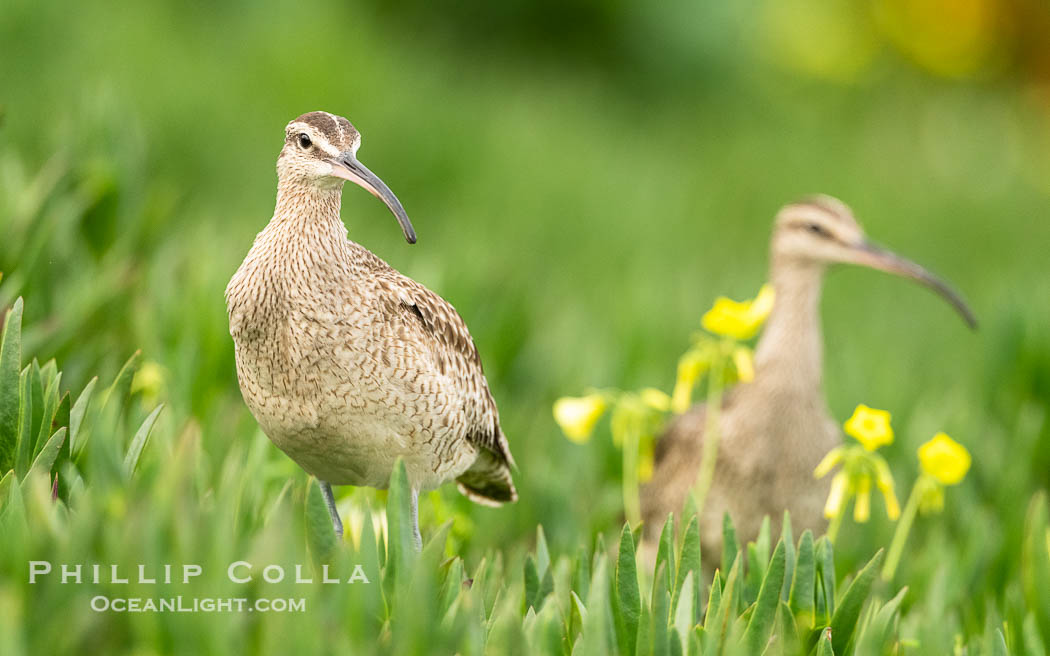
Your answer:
<point x="585" y="177"/>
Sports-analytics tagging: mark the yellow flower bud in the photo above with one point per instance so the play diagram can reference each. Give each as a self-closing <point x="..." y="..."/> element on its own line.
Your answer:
<point x="577" y="415"/>
<point x="739" y="319"/>
<point x="944" y="459"/>
<point x="837" y="496"/>
<point x="883" y="477"/>
<point x="870" y="427"/>
<point x="884" y="481"/>
<point x="829" y="461"/>
<point x="862" y="506"/>
<point x="931" y="500"/>
<point x="763" y="303"/>
<point x="655" y="399"/>
<point x="690" y="367"/>
<point x="148" y="380"/>
<point x="893" y="507"/>
<point x="744" y="363"/>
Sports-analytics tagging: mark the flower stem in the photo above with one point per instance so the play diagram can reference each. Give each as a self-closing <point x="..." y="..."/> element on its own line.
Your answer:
<point x="834" y="524"/>
<point x="900" y="536"/>
<point x="631" y="500"/>
<point x="712" y="426"/>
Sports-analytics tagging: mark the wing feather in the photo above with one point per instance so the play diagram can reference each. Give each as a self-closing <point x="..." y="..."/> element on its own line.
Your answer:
<point x="457" y="356"/>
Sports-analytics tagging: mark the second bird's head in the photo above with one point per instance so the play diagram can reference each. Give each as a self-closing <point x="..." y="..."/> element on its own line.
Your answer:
<point x="821" y="230"/>
<point x="320" y="150"/>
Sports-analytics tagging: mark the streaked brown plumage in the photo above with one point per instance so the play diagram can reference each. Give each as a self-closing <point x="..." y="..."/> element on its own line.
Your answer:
<point x="775" y="429"/>
<point x="345" y="363"/>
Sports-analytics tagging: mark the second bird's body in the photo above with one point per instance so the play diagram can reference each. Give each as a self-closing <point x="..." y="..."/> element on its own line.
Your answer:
<point x="774" y="430"/>
<point x="347" y="364"/>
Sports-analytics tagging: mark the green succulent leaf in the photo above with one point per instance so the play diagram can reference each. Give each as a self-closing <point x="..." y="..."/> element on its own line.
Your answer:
<point x="803" y="581"/>
<point x="1035" y="561"/>
<point x="320" y="533"/>
<point x="628" y="595"/>
<point x="844" y="620"/>
<point x="763" y="617"/>
<point x="399" y="547"/>
<point x="76" y="416"/>
<point x="730" y="546"/>
<point x="10" y="388"/>
<point x="48" y="454"/>
<point x="138" y="442"/>
<point x="689" y="562"/>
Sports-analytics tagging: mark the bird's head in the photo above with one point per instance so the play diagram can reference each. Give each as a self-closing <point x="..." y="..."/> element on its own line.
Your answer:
<point x="821" y="230"/>
<point x="320" y="151"/>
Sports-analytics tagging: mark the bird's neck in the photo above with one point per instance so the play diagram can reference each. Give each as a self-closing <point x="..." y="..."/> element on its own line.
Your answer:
<point x="790" y="352"/>
<point x="306" y="220"/>
<point x="302" y="204"/>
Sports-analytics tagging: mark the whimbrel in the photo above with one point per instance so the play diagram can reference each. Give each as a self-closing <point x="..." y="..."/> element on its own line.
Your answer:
<point x="775" y="429"/>
<point x="346" y="363"/>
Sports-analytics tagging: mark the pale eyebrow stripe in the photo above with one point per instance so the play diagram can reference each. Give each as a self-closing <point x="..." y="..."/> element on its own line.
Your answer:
<point x="318" y="137"/>
<point x="326" y="146"/>
<point x="811" y="211"/>
<point x="832" y="206"/>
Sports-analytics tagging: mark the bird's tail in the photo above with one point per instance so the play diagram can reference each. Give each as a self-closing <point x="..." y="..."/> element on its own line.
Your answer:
<point x="488" y="481"/>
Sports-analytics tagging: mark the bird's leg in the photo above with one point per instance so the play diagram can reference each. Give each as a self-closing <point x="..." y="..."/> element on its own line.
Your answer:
<point x="413" y="500"/>
<point x="329" y="499"/>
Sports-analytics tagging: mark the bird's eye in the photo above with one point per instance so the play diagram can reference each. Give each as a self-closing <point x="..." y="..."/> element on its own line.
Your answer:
<point x="304" y="141"/>
<point x="816" y="229"/>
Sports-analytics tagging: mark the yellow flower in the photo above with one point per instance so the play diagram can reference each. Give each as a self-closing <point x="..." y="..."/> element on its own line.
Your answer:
<point x="763" y="303"/>
<point x="944" y="459"/>
<point x="577" y="415"/>
<point x="884" y="481"/>
<point x="744" y="363"/>
<point x="870" y="427"/>
<point x="862" y="506"/>
<point x="690" y="367"/>
<point x="829" y="461"/>
<point x="655" y="399"/>
<point x="149" y="381"/>
<point x="837" y="496"/>
<point x="893" y="507"/>
<point x="739" y="319"/>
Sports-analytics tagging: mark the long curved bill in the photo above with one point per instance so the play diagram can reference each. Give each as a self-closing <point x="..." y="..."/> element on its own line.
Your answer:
<point x="877" y="257"/>
<point x="347" y="167"/>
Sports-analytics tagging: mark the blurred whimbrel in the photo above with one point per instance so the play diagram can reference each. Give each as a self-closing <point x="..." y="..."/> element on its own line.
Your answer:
<point x="345" y="363"/>
<point x="776" y="428"/>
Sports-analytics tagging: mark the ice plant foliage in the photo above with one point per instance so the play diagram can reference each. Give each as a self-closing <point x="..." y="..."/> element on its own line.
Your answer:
<point x="861" y="466"/>
<point x="772" y="596"/>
